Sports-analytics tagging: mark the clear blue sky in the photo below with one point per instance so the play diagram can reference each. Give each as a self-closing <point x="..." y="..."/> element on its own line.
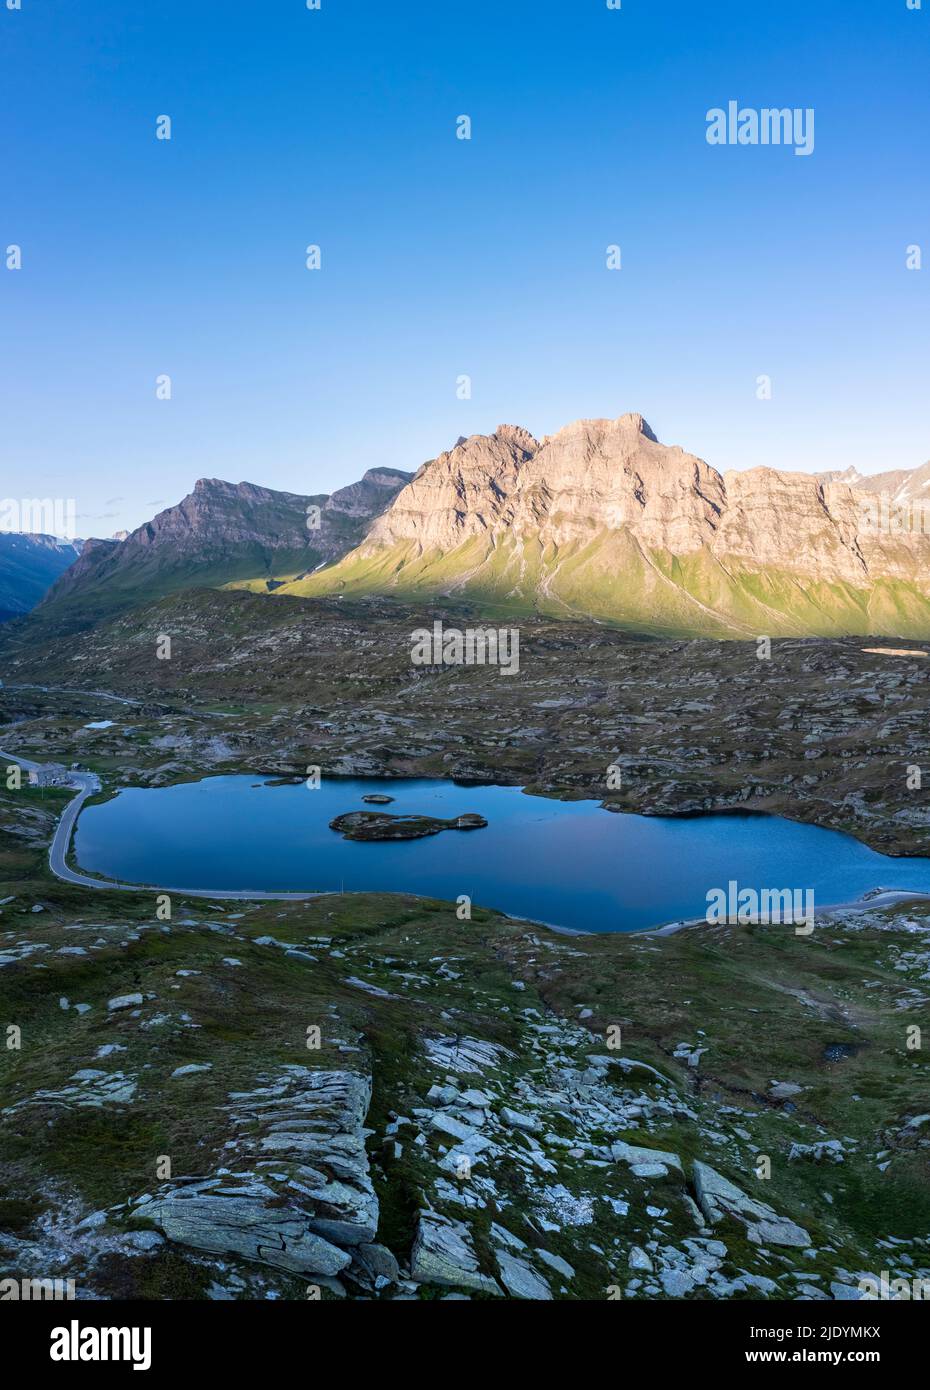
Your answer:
<point x="444" y="257"/>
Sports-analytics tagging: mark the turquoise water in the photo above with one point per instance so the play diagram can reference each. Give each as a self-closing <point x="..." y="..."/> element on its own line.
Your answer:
<point x="568" y="863"/>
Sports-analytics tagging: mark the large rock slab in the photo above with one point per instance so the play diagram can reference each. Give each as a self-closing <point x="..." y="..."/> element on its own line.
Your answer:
<point x="248" y="1226"/>
<point x="520" y="1280"/>
<point x="465" y="1054"/>
<point x="301" y="1189"/>
<point x="443" y="1254"/>
<point x="718" y="1197"/>
<point x="310" y="1127"/>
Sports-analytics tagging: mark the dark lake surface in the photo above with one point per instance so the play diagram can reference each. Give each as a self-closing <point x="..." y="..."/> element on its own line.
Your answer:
<point x="568" y="863"/>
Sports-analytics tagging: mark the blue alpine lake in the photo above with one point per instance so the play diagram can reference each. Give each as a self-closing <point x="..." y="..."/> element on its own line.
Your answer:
<point x="568" y="863"/>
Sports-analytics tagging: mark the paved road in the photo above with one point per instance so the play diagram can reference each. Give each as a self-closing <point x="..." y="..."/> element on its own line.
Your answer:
<point x="85" y="784"/>
<point x="70" y="690"/>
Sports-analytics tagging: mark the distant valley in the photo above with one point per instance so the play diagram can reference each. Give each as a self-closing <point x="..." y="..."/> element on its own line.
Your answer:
<point x="29" y="565"/>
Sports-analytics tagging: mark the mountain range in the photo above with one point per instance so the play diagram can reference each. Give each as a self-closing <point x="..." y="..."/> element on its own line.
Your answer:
<point x="220" y="533"/>
<point x="599" y="520"/>
<point x="29" y="564"/>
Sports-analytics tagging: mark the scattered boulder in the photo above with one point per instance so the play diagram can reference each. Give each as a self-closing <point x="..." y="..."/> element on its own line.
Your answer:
<point x="637" y="1157"/>
<point x="124" y="1001"/>
<point x="784" y="1090"/>
<point x="516" y="1120"/>
<point x="830" y="1149"/>
<point x="464" y="1054"/>
<point x="519" y="1279"/>
<point x="91" y="1088"/>
<point x="718" y="1198"/>
<point x="373" y="1267"/>
<point x="557" y="1263"/>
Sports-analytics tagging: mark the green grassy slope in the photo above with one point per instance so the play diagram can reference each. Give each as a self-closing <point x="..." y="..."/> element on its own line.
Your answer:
<point x="611" y="578"/>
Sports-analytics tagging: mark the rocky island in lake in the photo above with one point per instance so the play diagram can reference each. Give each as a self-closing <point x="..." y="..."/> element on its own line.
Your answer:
<point x="382" y="825"/>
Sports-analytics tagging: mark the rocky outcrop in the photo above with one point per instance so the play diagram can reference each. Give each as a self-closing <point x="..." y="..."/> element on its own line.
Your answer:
<point x="465" y="492"/>
<point x="248" y="1223"/>
<point x="658" y="1161"/>
<point x="443" y="1254"/>
<point x="719" y="1198"/>
<point x="223" y="532"/>
<point x="520" y="1279"/>
<point x="602" y="519"/>
<point x="611" y="475"/>
<point x="89" y="1088"/>
<point x="382" y="825"/>
<point x="546" y="1169"/>
<point x="370" y="495"/>
<point x="300" y="1197"/>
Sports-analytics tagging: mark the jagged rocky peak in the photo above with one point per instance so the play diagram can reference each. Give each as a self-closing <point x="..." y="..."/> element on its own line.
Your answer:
<point x="370" y="494"/>
<point x="628" y="428"/>
<point x="611" y="474"/>
<point x="601" y="518"/>
<point x="902" y="485"/>
<point x="517" y="436"/>
<point x="596" y="475"/>
<point x="591" y="474"/>
<point x="849" y="475"/>
<point x="223" y="532"/>
<point x="219" y="487"/>
<point x="462" y="492"/>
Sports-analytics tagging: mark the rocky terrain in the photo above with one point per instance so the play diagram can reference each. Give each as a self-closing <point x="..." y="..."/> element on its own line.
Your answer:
<point x="362" y="1096"/>
<point x="820" y="731"/>
<point x="909" y="486"/>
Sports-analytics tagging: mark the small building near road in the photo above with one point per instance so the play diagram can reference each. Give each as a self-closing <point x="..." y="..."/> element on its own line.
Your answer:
<point x="51" y="775"/>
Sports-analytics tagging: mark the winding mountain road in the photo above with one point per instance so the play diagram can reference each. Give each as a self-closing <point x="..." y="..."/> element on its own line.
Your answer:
<point x="86" y="784"/>
<point x="70" y="690"/>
